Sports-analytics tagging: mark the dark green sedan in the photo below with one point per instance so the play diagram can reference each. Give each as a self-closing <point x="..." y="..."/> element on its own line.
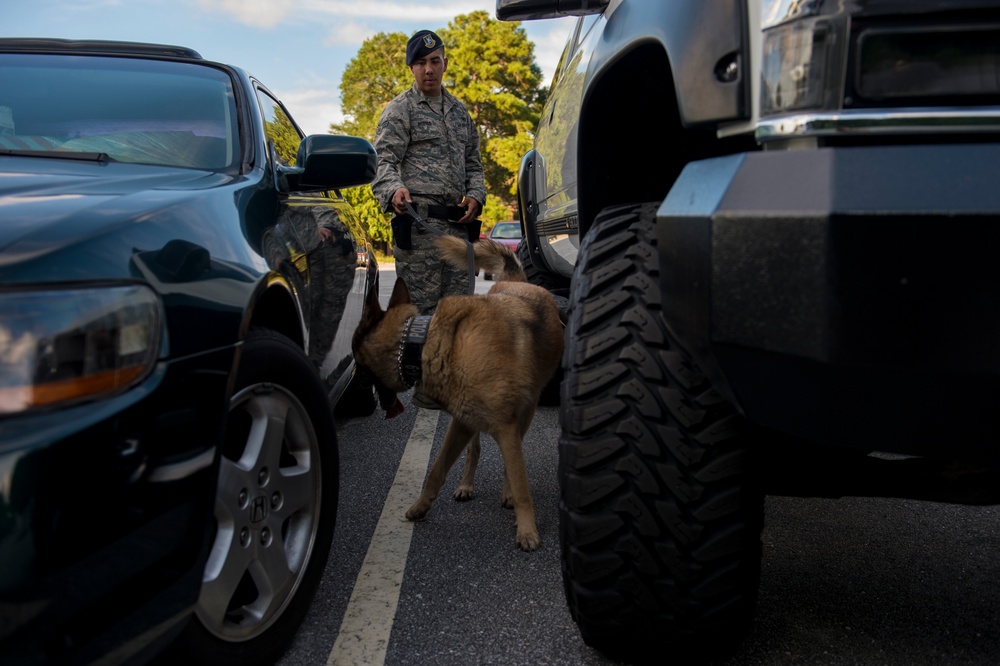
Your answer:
<point x="179" y="281"/>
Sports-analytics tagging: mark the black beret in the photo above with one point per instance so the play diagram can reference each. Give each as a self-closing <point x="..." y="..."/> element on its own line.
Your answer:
<point x="422" y="43"/>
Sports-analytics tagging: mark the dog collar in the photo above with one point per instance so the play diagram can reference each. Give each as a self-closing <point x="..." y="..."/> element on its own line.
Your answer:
<point x="411" y="346"/>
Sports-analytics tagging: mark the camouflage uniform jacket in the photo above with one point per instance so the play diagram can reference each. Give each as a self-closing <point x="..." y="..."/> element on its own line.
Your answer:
<point x="433" y="157"/>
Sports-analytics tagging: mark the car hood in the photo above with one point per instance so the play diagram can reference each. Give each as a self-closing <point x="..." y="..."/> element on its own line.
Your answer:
<point x="46" y="203"/>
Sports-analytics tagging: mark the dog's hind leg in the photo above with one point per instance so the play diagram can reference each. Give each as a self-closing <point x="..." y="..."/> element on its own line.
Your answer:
<point x="506" y="498"/>
<point x="524" y="422"/>
<point x="455" y="440"/>
<point x="467" y="487"/>
<point x="516" y="478"/>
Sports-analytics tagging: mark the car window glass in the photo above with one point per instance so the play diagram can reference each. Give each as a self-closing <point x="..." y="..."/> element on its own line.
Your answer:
<point x="123" y="109"/>
<point x="281" y="131"/>
<point x="507" y="231"/>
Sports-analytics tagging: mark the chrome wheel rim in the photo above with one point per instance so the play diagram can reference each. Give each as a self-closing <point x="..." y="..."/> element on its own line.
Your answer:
<point x="266" y="512"/>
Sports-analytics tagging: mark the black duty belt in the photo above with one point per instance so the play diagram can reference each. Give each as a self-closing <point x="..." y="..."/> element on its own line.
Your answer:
<point x="452" y="213"/>
<point x="471" y="252"/>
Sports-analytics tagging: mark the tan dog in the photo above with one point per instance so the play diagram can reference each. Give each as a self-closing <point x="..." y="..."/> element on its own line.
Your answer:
<point x="485" y="359"/>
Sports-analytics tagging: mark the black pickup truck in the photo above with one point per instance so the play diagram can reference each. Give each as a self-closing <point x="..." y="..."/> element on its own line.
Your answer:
<point x="775" y="225"/>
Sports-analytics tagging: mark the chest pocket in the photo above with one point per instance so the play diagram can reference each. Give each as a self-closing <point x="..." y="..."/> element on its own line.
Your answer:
<point x="454" y="131"/>
<point x="427" y="128"/>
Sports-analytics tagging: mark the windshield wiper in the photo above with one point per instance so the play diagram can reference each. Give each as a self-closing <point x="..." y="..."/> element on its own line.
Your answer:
<point x="101" y="158"/>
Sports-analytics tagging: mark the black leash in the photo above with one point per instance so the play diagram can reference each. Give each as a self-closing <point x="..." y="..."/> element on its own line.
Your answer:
<point x="472" y="253"/>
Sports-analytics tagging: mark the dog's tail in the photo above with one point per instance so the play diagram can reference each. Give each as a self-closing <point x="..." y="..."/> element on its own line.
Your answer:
<point x="490" y="256"/>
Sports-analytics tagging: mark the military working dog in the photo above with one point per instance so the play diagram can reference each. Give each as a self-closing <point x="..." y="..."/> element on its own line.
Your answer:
<point x="485" y="358"/>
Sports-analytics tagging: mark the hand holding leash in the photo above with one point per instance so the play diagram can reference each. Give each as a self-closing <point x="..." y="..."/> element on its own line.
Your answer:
<point x="400" y="198"/>
<point x="472" y="254"/>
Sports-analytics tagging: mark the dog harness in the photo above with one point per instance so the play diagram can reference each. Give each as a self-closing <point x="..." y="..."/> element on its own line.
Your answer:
<point x="411" y="346"/>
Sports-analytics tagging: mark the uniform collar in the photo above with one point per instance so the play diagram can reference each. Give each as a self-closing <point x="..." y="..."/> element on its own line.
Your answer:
<point x="421" y="97"/>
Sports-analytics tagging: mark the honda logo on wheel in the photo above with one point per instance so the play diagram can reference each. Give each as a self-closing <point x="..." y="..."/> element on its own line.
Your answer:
<point x="258" y="509"/>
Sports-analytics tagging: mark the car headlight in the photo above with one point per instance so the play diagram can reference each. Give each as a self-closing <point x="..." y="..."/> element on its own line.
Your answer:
<point x="73" y="345"/>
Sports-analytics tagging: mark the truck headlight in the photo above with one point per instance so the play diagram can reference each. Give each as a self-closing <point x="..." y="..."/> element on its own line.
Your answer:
<point x="73" y="345"/>
<point x="797" y="62"/>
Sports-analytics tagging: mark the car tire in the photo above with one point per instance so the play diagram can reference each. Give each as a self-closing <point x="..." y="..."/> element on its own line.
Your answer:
<point x="359" y="399"/>
<point x="276" y="506"/>
<point x="660" y="514"/>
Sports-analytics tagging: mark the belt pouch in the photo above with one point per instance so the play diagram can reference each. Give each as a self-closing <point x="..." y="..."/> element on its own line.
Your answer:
<point x="402" y="228"/>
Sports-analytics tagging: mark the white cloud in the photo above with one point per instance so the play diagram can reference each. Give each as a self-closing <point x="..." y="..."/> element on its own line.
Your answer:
<point x="313" y="108"/>
<point x="348" y="34"/>
<point x="398" y="10"/>
<point x="257" y="13"/>
<point x="268" y="13"/>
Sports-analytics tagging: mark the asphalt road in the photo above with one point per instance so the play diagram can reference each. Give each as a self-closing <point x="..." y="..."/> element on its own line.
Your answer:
<point x="850" y="581"/>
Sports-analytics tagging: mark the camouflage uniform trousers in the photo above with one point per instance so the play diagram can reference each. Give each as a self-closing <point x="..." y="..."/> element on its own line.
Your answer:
<point x="426" y="276"/>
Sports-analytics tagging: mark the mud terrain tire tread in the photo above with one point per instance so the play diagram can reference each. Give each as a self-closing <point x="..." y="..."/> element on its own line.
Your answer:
<point x="660" y="516"/>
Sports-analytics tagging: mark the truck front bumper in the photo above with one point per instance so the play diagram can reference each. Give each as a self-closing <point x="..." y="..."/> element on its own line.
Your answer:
<point x="845" y="295"/>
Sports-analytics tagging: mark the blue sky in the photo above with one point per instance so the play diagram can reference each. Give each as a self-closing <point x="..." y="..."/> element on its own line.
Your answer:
<point x="299" y="49"/>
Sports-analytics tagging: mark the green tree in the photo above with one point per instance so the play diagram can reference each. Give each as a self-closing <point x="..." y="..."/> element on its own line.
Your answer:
<point x="371" y="80"/>
<point x="492" y="68"/>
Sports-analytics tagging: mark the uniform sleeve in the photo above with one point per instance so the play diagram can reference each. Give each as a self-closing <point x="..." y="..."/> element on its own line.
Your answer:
<point x="392" y="137"/>
<point x="475" y="185"/>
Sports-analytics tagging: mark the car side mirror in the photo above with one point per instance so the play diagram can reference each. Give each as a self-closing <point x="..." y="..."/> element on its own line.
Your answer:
<point x="330" y="162"/>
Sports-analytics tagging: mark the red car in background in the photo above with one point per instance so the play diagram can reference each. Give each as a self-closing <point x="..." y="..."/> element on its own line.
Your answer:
<point x="505" y="233"/>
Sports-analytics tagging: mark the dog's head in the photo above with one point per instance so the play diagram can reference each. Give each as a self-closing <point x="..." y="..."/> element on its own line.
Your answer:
<point x="373" y="346"/>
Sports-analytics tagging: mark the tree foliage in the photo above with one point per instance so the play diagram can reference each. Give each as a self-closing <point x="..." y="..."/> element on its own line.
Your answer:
<point x="371" y="80"/>
<point x="491" y="68"/>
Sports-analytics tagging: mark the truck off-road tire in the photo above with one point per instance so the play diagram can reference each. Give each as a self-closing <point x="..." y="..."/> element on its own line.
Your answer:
<point x="275" y="509"/>
<point x="660" y="515"/>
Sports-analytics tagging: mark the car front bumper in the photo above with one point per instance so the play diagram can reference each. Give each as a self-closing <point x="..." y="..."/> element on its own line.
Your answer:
<point x="105" y="510"/>
<point x="846" y="295"/>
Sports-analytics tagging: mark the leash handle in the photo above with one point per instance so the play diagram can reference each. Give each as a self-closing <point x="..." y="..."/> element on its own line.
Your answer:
<point x="472" y="254"/>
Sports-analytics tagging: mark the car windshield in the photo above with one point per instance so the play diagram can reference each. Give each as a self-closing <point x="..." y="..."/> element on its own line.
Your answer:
<point x="122" y="109"/>
<point x="507" y="230"/>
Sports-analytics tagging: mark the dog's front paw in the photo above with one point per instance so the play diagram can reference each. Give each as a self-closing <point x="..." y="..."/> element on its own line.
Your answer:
<point x="464" y="493"/>
<point x="528" y="541"/>
<point x="418" y="510"/>
<point x="507" y="501"/>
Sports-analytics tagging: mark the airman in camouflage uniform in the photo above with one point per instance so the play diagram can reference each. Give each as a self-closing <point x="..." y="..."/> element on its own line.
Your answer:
<point x="428" y="154"/>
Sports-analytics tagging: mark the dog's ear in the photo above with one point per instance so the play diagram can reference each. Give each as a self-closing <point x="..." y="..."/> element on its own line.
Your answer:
<point x="400" y="294"/>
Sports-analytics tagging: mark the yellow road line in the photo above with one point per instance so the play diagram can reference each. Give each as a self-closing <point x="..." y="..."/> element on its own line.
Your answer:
<point x="364" y="632"/>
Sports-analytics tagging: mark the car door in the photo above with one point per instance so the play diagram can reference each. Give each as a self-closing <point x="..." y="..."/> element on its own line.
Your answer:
<point x="314" y="245"/>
